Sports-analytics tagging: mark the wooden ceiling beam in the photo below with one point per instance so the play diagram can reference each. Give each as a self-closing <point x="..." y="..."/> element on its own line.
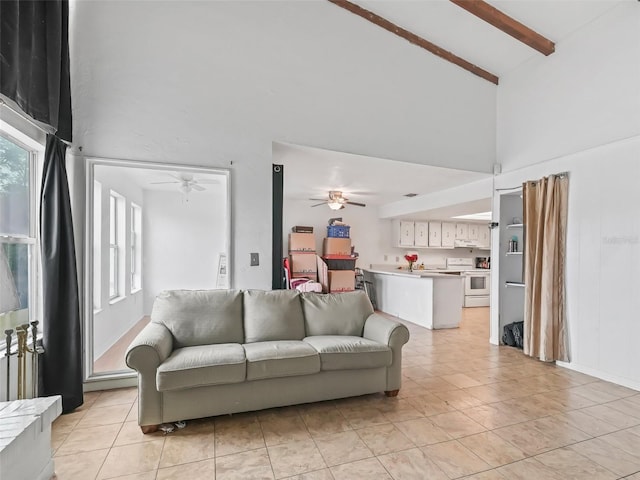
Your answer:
<point x="508" y="25"/>
<point x="415" y="39"/>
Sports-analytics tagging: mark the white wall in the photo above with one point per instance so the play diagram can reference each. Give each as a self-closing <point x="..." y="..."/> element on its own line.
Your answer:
<point x="232" y="77"/>
<point x="584" y="95"/>
<point x="583" y="100"/>
<point x="113" y="320"/>
<point x="181" y="240"/>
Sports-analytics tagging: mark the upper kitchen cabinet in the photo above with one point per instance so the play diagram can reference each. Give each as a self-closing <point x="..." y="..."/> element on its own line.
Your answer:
<point x="422" y="234"/>
<point x="440" y="235"/>
<point x="473" y="231"/>
<point x="407" y="234"/>
<point x="484" y="237"/>
<point x="435" y="234"/>
<point x="462" y="231"/>
<point x="448" y="234"/>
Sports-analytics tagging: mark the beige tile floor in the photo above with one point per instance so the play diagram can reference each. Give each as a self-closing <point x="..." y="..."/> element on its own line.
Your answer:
<point x="113" y="359"/>
<point x="467" y="409"/>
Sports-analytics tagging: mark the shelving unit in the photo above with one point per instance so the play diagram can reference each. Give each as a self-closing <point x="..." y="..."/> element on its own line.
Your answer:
<point x="511" y="271"/>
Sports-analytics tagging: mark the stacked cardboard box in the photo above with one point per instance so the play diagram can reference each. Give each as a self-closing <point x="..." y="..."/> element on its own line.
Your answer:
<point x="339" y="279"/>
<point x="302" y="252"/>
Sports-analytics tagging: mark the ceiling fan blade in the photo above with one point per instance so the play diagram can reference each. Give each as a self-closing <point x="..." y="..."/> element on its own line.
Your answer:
<point x="357" y="204"/>
<point x="318" y="204"/>
<point x="318" y="199"/>
<point x="205" y="182"/>
<point x="197" y="187"/>
<point x="161" y="183"/>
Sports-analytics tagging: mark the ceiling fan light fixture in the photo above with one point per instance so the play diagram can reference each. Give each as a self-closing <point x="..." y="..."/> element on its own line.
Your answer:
<point x="334" y="205"/>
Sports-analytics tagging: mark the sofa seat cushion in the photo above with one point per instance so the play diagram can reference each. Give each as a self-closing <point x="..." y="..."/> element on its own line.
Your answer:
<point x="342" y="352"/>
<point x="282" y="358"/>
<point x="202" y="365"/>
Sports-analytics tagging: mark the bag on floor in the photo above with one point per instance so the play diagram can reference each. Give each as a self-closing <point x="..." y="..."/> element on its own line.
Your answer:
<point x="507" y="335"/>
<point x="518" y="334"/>
<point x="513" y="334"/>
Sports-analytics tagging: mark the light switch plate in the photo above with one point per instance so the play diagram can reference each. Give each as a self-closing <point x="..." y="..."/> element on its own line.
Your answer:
<point x="255" y="259"/>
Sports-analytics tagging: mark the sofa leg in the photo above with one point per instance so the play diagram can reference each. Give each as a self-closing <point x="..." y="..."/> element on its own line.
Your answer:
<point x="391" y="393"/>
<point x="149" y="428"/>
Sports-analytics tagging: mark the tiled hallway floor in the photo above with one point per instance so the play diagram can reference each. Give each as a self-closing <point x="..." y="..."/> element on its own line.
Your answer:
<point x="466" y="409"/>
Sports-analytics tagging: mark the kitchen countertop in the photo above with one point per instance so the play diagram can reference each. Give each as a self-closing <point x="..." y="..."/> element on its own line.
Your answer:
<point x="414" y="274"/>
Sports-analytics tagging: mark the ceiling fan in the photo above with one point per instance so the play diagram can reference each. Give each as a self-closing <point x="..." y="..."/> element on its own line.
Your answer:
<point x="336" y="201"/>
<point x="186" y="182"/>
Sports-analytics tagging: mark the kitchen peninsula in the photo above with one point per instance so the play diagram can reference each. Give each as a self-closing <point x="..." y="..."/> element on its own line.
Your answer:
<point x="427" y="298"/>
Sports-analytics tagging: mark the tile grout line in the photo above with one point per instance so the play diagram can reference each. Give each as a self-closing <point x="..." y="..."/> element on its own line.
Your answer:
<point x="266" y="448"/>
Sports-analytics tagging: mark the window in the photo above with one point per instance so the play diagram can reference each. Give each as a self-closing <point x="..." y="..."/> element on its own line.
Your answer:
<point x="116" y="241"/>
<point x="136" y="247"/>
<point x="113" y="246"/>
<point x="97" y="245"/>
<point x="18" y="245"/>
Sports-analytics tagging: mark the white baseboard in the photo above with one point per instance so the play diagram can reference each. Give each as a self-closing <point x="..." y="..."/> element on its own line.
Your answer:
<point x="110" y="384"/>
<point x="625" y="382"/>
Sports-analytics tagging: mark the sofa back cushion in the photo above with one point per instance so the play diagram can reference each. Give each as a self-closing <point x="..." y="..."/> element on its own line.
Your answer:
<point x="336" y="313"/>
<point x="200" y="317"/>
<point x="272" y="315"/>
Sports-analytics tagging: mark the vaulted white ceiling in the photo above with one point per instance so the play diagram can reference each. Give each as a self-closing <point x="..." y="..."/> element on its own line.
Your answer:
<point x="214" y="82"/>
<point x="311" y="173"/>
<point x="453" y="28"/>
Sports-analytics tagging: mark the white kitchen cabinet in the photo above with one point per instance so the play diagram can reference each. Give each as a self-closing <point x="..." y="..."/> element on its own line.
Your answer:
<point x="407" y="234"/>
<point x="421" y="235"/>
<point x="435" y="234"/>
<point x="462" y="231"/>
<point x="448" y="234"/>
<point x="484" y="237"/>
<point x="473" y="231"/>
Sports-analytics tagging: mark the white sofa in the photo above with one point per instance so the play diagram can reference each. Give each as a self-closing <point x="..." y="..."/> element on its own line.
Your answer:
<point x="213" y="352"/>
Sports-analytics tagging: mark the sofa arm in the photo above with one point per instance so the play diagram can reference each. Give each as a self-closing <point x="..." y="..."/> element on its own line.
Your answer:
<point x="385" y="331"/>
<point x="149" y="349"/>
<point x="395" y="335"/>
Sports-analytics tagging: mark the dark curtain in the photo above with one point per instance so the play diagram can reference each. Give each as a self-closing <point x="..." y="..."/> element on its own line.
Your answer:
<point x="34" y="60"/>
<point x="62" y="341"/>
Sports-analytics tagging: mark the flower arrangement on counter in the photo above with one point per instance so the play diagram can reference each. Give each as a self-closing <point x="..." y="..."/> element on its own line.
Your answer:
<point x="411" y="259"/>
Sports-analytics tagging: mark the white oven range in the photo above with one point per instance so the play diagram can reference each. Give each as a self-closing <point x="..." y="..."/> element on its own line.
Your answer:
<point x="477" y="282"/>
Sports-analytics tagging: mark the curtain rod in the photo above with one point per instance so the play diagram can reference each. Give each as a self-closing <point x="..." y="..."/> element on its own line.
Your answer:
<point x="24" y="116"/>
<point x="519" y="187"/>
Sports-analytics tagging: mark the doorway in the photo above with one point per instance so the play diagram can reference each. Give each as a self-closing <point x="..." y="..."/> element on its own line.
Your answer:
<point x="150" y="227"/>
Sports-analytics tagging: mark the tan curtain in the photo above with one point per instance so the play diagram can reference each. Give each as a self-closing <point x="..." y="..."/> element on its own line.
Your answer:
<point x="545" y="222"/>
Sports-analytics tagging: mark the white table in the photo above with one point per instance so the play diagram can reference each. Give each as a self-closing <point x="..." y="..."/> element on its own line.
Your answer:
<point x="25" y="438"/>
